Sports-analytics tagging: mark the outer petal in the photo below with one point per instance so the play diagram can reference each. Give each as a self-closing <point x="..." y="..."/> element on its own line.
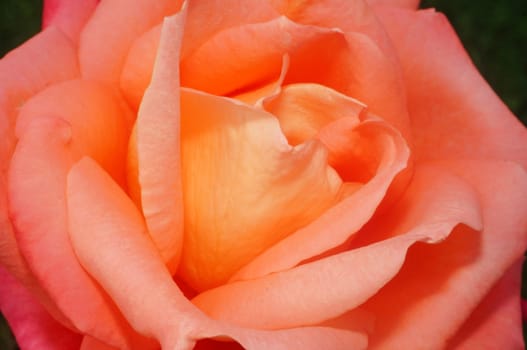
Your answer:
<point x="453" y="110"/>
<point x="24" y="72"/>
<point x="140" y="61"/>
<point x="324" y="289"/>
<point x="369" y="46"/>
<point x="31" y="324"/>
<point x="409" y="4"/>
<point x="110" y="32"/>
<point x="109" y="235"/>
<point x="440" y="286"/>
<point x="155" y="158"/>
<point x="90" y="120"/>
<point x="68" y="15"/>
<point x="496" y="323"/>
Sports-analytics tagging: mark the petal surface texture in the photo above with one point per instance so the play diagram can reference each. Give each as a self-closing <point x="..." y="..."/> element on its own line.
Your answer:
<point x="326" y="288"/>
<point x="69" y="16"/>
<point x="109" y="235"/>
<point x="447" y="122"/>
<point x="245" y="187"/>
<point x="154" y="160"/>
<point x="32" y="325"/>
<point x="440" y="286"/>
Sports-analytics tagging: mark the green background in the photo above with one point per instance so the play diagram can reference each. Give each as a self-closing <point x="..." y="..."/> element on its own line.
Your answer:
<point x="494" y="33"/>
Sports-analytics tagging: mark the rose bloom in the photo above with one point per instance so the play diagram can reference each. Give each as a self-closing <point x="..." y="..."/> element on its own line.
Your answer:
<point x="254" y="174"/>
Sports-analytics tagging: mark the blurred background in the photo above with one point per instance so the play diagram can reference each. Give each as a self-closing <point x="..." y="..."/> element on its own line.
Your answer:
<point x="493" y="32"/>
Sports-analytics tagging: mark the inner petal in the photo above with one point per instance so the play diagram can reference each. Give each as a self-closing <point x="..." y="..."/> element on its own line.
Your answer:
<point x="245" y="187"/>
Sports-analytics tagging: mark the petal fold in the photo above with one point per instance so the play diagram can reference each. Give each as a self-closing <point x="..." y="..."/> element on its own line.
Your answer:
<point x="440" y="286"/>
<point x="68" y="15"/>
<point x="32" y="325"/>
<point x="245" y="187"/>
<point x="451" y="106"/>
<point x="107" y="37"/>
<point x="367" y="153"/>
<point x="326" y="288"/>
<point x="154" y="160"/>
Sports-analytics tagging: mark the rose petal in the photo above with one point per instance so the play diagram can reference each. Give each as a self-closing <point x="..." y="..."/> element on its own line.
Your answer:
<point x="497" y="319"/>
<point x="41" y="231"/>
<point x="67" y="15"/>
<point x="99" y="119"/>
<point x="249" y="56"/>
<point x="382" y="88"/>
<point x="409" y="4"/>
<point x="108" y="234"/>
<point x="140" y="61"/>
<point x="440" y="286"/>
<point x="258" y="95"/>
<point x="100" y="213"/>
<point x="345" y="141"/>
<point x="154" y="160"/>
<point x="31" y="324"/>
<point x="107" y="37"/>
<point x="234" y="152"/>
<point x="326" y="288"/>
<point x="23" y="72"/>
<point x="448" y="122"/>
<point x="89" y="343"/>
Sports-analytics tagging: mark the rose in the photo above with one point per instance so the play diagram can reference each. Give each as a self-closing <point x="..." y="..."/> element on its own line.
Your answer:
<point x="366" y="189"/>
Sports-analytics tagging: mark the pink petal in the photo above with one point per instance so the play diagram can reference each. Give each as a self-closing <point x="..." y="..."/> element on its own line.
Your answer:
<point x="452" y="108"/>
<point x="440" y="286"/>
<point x="496" y="322"/>
<point x="32" y="326"/>
<point x="299" y="108"/>
<point x="326" y="288"/>
<point x="110" y="239"/>
<point x="154" y="159"/>
<point x="44" y="152"/>
<point x="68" y="15"/>
<point x="204" y="20"/>
<point x="111" y="30"/>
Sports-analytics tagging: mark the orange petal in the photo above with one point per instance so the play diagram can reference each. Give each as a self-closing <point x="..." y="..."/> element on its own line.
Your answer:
<point x="304" y="109"/>
<point x="155" y="148"/>
<point x="248" y="56"/>
<point x="440" y="286"/>
<point x="31" y="324"/>
<point x="109" y="236"/>
<point x="352" y="147"/>
<point x="213" y="14"/>
<point x="245" y="188"/>
<point x="111" y="241"/>
<point x="68" y="15"/>
<point x="107" y="37"/>
<point x="409" y="4"/>
<point x="497" y="319"/>
<point x="455" y="114"/>
<point x="324" y="289"/>
<point x="89" y="343"/>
